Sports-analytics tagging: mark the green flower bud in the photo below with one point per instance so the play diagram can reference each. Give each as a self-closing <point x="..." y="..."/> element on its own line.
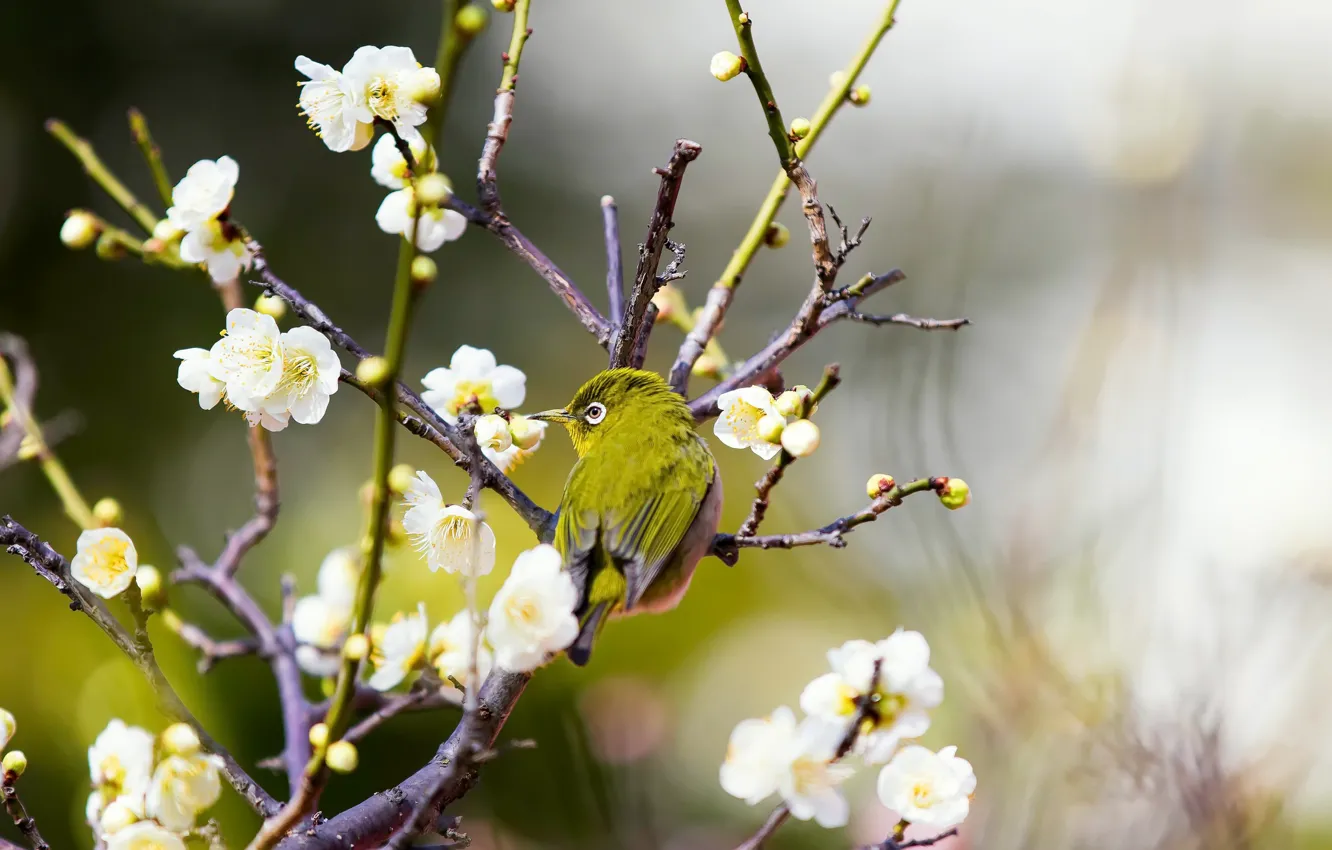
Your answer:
<point x="800" y="438"/>
<point x="151" y="588"/>
<point x="356" y="647"/>
<point x="800" y="128"/>
<point x="319" y="736"/>
<point x="15" y="762"/>
<point x="108" y="513"/>
<point x="503" y="5"/>
<point x="373" y="371"/>
<point x="526" y="433"/>
<point x="670" y="303"/>
<point x="878" y="485"/>
<point x="433" y="189"/>
<point x="180" y="739"/>
<point x="401" y="477"/>
<point x="270" y="305"/>
<point x="770" y="428"/>
<point x="954" y="493"/>
<point x="788" y="403"/>
<point x="470" y="20"/>
<point x="342" y="757"/>
<point x="109" y="248"/>
<point x="726" y="65"/>
<point x="777" y="235"/>
<point x="80" y="229"/>
<point x="860" y="95"/>
<point x="424" y="270"/>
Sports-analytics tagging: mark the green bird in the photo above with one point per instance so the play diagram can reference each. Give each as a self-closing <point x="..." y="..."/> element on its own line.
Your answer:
<point x="642" y="503"/>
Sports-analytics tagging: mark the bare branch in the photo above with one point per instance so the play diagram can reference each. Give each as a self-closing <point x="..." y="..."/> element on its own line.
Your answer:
<point x="649" y="253"/>
<point x="910" y="321"/>
<point x="211" y="650"/>
<point x="778" y="817"/>
<point x="14" y="806"/>
<point x="637" y="359"/>
<point x="610" y="220"/>
<point x="416" y="699"/>
<point x="892" y="843"/>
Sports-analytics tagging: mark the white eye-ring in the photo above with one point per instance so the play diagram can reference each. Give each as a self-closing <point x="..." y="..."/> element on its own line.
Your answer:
<point x="594" y="413"/>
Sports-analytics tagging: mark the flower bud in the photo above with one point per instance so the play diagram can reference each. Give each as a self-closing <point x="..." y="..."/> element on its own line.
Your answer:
<point x="492" y="432"/>
<point x="800" y="127"/>
<point x="954" y="493"/>
<point x="319" y="736"/>
<point x="116" y="816"/>
<point x="29" y="447"/>
<point x="270" y="305"/>
<point x="81" y="229"/>
<point x="670" y="302"/>
<point x="342" y="757"/>
<point x="356" y="647"/>
<point x="801" y="438"/>
<point x="8" y="726"/>
<point x="526" y="433"/>
<point x="433" y="189"/>
<point x="401" y="477"/>
<point x="502" y="5"/>
<point x="788" y="403"/>
<point x="778" y="235"/>
<point x="373" y="371"/>
<point x="180" y="739"/>
<point x="706" y="366"/>
<point x="109" y="248"/>
<point x="770" y="427"/>
<point x="860" y="95"/>
<point x="836" y="79"/>
<point x="726" y="65"/>
<point x="108" y="513"/>
<point x="424" y="87"/>
<point x="878" y="485"/>
<point x="470" y="20"/>
<point x="151" y="588"/>
<point x="166" y="231"/>
<point x="15" y="762"/>
<point x="424" y="270"/>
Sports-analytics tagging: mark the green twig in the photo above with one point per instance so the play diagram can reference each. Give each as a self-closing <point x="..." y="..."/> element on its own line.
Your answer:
<point x="452" y="43"/>
<point x="754" y="68"/>
<point x="102" y="175"/>
<point x="516" y="41"/>
<point x="152" y="154"/>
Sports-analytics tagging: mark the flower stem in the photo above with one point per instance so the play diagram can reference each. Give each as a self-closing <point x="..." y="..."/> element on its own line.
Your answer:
<point x="452" y="43"/>
<point x="754" y="68"/>
<point x="97" y="170"/>
<point x="516" y="42"/>
<point x="152" y="154"/>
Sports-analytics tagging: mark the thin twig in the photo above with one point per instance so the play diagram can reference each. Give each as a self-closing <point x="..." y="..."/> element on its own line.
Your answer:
<point x="610" y="220"/>
<point x="649" y="253"/>
<point x="778" y="817"/>
<point x="98" y="171"/>
<point x="14" y="806"/>
<point x="152" y="154"/>
<point x="891" y="843"/>
<point x="911" y="321"/>
<point x="497" y="133"/>
<point x="641" y="347"/>
<point x="211" y="650"/>
<point x="414" y="699"/>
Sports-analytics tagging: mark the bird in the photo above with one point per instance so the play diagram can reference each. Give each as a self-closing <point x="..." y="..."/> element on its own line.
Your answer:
<point x="642" y="503"/>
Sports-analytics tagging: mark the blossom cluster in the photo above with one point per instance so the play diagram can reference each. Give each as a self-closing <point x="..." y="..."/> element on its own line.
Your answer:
<point x="272" y="376"/>
<point x="752" y="419"/>
<point x="149" y="791"/>
<point x="475" y="382"/>
<point x="199" y="213"/>
<point x="875" y="697"/>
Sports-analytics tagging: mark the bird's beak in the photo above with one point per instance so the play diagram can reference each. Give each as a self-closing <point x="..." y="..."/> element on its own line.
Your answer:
<point x="559" y="414"/>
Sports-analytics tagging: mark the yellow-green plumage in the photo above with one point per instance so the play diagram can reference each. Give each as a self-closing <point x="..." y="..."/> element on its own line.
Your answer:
<point x="640" y="506"/>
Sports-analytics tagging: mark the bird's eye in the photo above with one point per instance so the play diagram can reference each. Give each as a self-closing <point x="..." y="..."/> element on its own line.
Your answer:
<point x="594" y="413"/>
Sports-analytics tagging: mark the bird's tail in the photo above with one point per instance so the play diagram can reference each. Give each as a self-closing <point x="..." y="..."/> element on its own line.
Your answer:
<point x="581" y="649"/>
<point x="604" y="596"/>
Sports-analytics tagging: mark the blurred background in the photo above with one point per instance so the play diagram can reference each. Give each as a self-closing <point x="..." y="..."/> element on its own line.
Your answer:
<point x="1132" y="201"/>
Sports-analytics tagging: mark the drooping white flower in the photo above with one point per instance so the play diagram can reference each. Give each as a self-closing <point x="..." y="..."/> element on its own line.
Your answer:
<point x="753" y="766"/>
<point x="445" y="533"/>
<point x="310" y="372"/>
<point x="120" y="764"/>
<point x="492" y="432"/>
<point x="194" y="374"/>
<point x="473" y="379"/>
<point x="388" y="83"/>
<point x="105" y="561"/>
<point x="182" y="787"/>
<point x="525" y="435"/>
<point x="320" y="625"/>
<point x="774" y="754"/>
<point x="931" y="789"/>
<point x="248" y="359"/>
<point x="339" y="576"/>
<point x="330" y="106"/>
<point x="203" y="193"/>
<point x="450" y="654"/>
<point x="907" y="688"/>
<point x="222" y="252"/>
<point x="400" y="650"/>
<point x="435" y="227"/>
<point x="144" y="835"/>
<point x="532" y="614"/>
<point x="387" y="166"/>
<point x="8" y="726"/>
<point x="738" y="423"/>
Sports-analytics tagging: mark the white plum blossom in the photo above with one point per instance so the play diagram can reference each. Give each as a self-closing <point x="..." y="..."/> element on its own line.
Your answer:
<point x="183" y="786"/>
<point x="268" y="421"/>
<point x="907" y="688"/>
<point x="774" y="754"/>
<point x="738" y="423"/>
<point x="8" y="726"/>
<point x="753" y="765"/>
<point x="195" y="374"/>
<point x="105" y="562"/>
<point x="214" y="244"/>
<point x="144" y="835"/>
<point x="120" y="764"/>
<point x="926" y="788"/>
<point x="310" y="373"/>
<point x="320" y="626"/>
<point x="388" y="83"/>
<point x="525" y="438"/>
<point x="532" y="614"/>
<point x="248" y="358"/>
<point x="473" y="379"/>
<point x="445" y="533"/>
<point x="204" y="193"/>
<point x="397" y="213"/>
<point x="450" y="651"/>
<point x="399" y="650"/>
<point x="339" y="576"/>
<point x="387" y="165"/>
<point x="114" y="817"/>
<point x="329" y="104"/>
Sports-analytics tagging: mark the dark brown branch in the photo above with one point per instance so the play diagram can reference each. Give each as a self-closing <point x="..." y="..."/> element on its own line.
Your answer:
<point x="51" y="566"/>
<point x="641" y="347"/>
<point x="22" y="820"/>
<point x="891" y="843"/>
<point x="610" y="221"/>
<point x="911" y="321"/>
<point x="778" y="817"/>
<point x="418" y="699"/>
<point x="649" y="253"/>
<point x="842" y="302"/>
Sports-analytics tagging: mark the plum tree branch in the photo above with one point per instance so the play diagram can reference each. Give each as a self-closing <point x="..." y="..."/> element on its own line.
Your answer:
<point x="14" y="806"/>
<point x="610" y="222"/>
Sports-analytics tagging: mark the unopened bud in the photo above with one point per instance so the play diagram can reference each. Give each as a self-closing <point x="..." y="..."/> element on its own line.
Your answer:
<point x="502" y="5"/>
<point x="424" y="87"/>
<point x="401" y="477"/>
<point x="878" y="485"/>
<point x="80" y="229"/>
<point x="8" y="726"/>
<point x="373" y="371"/>
<point x="270" y="305"/>
<point x="706" y="366"/>
<point x="470" y="20"/>
<point x="29" y="447"/>
<point x="670" y="302"/>
<point x="801" y="438"/>
<point x="108" y="513"/>
<point x="167" y="230"/>
<point x="726" y="65"/>
<point x="492" y="432"/>
<point x="526" y="433"/>
<point x="15" y="762"/>
<point x="117" y="815"/>
<point x="788" y="403"/>
<point x="342" y="757"/>
<point x="433" y="189"/>
<point x="180" y="739"/>
<point x="860" y="95"/>
<point x="356" y="647"/>
<point x="800" y="128"/>
<point x="109" y="248"/>
<point x="424" y="270"/>
<point x="319" y="736"/>
<point x="770" y="427"/>
<point x="778" y="235"/>
<point x="837" y="79"/>
<point x="954" y="493"/>
<point x="151" y="588"/>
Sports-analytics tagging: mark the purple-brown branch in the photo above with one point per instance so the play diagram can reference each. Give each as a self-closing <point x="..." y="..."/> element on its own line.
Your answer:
<point x="14" y="806"/>
<point x="24" y="371"/>
<point x="610" y="222"/>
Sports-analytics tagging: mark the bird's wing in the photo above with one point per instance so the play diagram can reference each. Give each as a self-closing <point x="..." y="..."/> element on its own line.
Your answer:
<point x="576" y="532"/>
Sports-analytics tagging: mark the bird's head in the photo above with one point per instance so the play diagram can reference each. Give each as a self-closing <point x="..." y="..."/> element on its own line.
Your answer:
<point x="621" y="403"/>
